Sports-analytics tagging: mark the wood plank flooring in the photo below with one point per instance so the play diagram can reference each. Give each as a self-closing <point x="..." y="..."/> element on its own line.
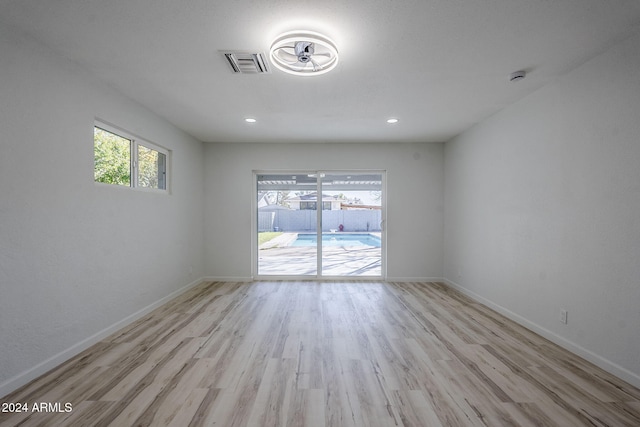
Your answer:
<point x="315" y="353"/>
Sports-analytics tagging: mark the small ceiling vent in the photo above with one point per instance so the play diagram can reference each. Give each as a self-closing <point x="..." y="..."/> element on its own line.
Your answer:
<point x="246" y="63"/>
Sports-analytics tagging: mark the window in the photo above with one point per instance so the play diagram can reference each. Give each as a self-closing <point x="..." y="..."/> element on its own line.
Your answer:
<point x="308" y="206"/>
<point x="151" y="168"/>
<point x="121" y="159"/>
<point x="112" y="158"/>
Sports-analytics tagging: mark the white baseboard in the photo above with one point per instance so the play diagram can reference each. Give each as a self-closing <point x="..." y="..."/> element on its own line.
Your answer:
<point x="226" y="279"/>
<point x="23" y="378"/>
<point x="355" y="278"/>
<point x="352" y="278"/>
<point x="415" y="279"/>
<point x="609" y="366"/>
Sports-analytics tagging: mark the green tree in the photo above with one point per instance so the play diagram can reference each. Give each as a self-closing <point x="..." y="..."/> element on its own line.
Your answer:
<point x="112" y="157"/>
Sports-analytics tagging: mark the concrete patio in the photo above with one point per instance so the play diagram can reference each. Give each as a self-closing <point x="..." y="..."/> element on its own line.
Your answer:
<point x="275" y="257"/>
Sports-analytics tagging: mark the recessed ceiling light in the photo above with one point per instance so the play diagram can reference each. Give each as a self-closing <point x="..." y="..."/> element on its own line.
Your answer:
<point x="304" y="53"/>
<point x="392" y="121"/>
<point x="250" y="120"/>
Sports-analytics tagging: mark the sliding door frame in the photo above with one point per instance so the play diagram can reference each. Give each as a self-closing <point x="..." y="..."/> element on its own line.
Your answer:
<point x="318" y="276"/>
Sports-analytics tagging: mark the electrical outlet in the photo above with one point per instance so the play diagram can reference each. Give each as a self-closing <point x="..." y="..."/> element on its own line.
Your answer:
<point x="563" y="316"/>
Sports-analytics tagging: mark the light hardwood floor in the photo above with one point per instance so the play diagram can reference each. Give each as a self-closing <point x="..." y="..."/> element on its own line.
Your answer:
<point x="327" y="354"/>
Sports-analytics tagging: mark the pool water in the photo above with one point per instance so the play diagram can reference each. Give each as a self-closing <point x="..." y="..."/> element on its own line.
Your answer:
<point x="333" y="239"/>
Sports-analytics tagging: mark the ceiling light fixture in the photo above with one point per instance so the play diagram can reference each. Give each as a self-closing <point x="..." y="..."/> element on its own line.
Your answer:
<point x="250" y="120"/>
<point x="304" y="53"/>
<point x="392" y="121"/>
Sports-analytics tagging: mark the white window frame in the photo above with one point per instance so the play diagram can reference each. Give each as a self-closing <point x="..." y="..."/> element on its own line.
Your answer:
<point x="133" y="156"/>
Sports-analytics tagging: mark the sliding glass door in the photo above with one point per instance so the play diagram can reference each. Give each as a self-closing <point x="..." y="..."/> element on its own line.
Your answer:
<point x="320" y="224"/>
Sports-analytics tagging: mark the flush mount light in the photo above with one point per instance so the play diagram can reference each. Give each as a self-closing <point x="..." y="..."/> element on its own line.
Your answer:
<point x="392" y="120"/>
<point x="250" y="120"/>
<point x="304" y="53"/>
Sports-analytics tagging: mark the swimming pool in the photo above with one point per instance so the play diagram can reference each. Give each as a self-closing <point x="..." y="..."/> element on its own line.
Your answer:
<point x="334" y="239"/>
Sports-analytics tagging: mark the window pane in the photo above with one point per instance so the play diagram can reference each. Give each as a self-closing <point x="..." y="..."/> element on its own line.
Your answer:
<point x="286" y="214"/>
<point x="151" y="168"/>
<point x="112" y="158"/>
<point x="352" y="228"/>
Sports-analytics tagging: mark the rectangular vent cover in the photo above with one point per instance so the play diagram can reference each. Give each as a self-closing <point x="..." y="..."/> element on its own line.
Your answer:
<point x="246" y="63"/>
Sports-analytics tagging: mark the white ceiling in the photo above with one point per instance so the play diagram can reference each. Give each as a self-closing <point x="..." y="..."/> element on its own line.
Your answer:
<point x="438" y="65"/>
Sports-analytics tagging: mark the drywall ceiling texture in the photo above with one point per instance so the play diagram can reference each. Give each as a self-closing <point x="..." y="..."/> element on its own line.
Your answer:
<point x="543" y="210"/>
<point x="77" y="257"/>
<point x="414" y="199"/>
<point x="440" y="65"/>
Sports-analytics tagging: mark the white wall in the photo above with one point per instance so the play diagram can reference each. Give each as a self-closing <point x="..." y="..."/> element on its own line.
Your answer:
<point x="414" y="199"/>
<point x="542" y="208"/>
<point x="76" y="257"/>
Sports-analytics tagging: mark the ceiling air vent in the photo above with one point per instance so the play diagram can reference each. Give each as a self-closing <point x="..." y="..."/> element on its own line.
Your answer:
<point x="246" y="63"/>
